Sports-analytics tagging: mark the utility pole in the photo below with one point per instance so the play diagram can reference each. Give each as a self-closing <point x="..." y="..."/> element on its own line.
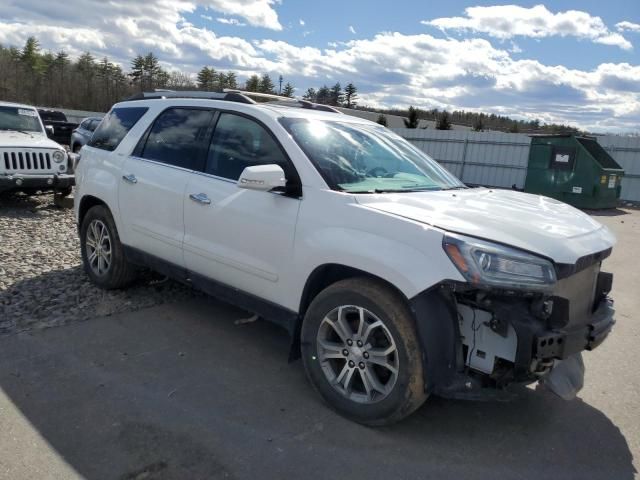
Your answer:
<point x="280" y="88"/>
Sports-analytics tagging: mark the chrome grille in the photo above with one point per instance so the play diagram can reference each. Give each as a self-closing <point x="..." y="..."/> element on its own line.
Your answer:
<point x="14" y="160"/>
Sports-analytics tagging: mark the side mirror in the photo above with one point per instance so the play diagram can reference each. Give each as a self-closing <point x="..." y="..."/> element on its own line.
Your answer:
<point x="49" y="130"/>
<point x="262" y="177"/>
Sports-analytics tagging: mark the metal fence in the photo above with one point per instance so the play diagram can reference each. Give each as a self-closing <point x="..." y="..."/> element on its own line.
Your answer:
<point x="500" y="159"/>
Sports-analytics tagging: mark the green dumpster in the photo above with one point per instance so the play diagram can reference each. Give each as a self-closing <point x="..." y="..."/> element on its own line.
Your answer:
<point x="575" y="170"/>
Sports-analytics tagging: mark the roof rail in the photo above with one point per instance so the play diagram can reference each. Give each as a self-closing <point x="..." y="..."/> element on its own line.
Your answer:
<point x="286" y="101"/>
<point x="231" y="95"/>
<point x="161" y="93"/>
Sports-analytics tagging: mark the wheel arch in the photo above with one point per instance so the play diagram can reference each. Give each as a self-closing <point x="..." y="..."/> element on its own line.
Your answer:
<point x="320" y="278"/>
<point x="329" y="273"/>
<point x="86" y="203"/>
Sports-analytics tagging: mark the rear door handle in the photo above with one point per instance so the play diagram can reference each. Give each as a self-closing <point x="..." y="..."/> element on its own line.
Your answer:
<point x="200" y="198"/>
<point x="130" y="178"/>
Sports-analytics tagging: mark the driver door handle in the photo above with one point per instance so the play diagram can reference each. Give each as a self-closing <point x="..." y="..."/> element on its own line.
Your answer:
<point x="200" y="198"/>
<point x="131" y="178"/>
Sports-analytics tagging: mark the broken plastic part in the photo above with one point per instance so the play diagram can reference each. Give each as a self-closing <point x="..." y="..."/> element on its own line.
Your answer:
<point x="566" y="378"/>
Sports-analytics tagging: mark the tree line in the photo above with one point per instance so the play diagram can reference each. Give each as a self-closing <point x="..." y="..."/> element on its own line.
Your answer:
<point x="29" y="75"/>
<point x="444" y="120"/>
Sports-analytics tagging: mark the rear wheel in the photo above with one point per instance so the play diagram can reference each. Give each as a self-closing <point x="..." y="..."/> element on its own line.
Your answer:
<point x="360" y="351"/>
<point x="102" y="253"/>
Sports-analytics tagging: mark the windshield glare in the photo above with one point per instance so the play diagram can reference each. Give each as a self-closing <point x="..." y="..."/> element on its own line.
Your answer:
<point x="359" y="158"/>
<point x="16" y="118"/>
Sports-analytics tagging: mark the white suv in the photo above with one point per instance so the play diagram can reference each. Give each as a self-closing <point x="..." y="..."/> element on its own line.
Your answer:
<point x="394" y="279"/>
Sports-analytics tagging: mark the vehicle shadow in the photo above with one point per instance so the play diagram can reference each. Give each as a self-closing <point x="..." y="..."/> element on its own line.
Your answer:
<point x="609" y="212"/>
<point x="187" y="391"/>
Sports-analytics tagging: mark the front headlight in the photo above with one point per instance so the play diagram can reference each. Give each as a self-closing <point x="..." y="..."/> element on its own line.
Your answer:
<point x="489" y="264"/>
<point x="58" y="156"/>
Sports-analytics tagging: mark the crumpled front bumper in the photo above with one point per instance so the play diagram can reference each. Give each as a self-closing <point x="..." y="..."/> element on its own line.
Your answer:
<point x="49" y="181"/>
<point x="563" y="343"/>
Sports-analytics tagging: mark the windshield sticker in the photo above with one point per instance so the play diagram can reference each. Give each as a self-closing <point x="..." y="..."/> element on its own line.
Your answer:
<point x="577" y="190"/>
<point x="560" y="158"/>
<point x="28" y="113"/>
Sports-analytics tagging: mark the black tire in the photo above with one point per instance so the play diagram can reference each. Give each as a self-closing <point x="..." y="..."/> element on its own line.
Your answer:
<point x="407" y="392"/>
<point x="120" y="272"/>
<point x="76" y="148"/>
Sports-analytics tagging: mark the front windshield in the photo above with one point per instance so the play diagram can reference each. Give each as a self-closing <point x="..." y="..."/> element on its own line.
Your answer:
<point x="359" y="158"/>
<point x="20" y="119"/>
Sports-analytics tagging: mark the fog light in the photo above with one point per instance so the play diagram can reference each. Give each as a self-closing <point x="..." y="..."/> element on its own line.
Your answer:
<point x="19" y="181"/>
<point x="49" y="181"/>
<point x="62" y="168"/>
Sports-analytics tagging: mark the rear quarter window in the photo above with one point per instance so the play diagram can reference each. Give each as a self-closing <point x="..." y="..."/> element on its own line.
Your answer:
<point x="115" y="126"/>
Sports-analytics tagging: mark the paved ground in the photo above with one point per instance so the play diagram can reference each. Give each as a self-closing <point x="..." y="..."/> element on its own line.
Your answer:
<point x="179" y="391"/>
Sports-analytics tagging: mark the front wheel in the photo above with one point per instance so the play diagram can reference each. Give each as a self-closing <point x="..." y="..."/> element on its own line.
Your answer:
<point x="360" y="351"/>
<point x="102" y="253"/>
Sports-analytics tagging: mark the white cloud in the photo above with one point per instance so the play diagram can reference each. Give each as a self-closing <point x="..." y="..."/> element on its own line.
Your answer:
<point x="258" y="13"/>
<point x="390" y="69"/>
<point x="301" y="22"/>
<point x="352" y="30"/>
<point x="508" y="21"/>
<point x="207" y="17"/>
<point x="230" y="21"/>
<point x="628" y="26"/>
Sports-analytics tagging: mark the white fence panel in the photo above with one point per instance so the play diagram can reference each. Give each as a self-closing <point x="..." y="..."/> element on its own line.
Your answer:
<point x="625" y="151"/>
<point x="500" y="159"/>
<point x="482" y="158"/>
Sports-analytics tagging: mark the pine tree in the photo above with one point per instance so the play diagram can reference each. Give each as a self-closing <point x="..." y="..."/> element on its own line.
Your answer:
<point x="443" y="122"/>
<point x="350" y="95"/>
<point x="155" y="76"/>
<point x="382" y="120"/>
<point x="232" y="80"/>
<point x="478" y="126"/>
<point x="137" y="71"/>
<point x="336" y="97"/>
<point x="413" y="120"/>
<point x="252" y="84"/>
<point x="266" y="84"/>
<point x="323" y="95"/>
<point x="207" y="79"/>
<point x="310" y="95"/>
<point x="288" y="90"/>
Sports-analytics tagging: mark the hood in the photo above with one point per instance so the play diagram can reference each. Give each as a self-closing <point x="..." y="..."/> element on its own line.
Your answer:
<point x="537" y="224"/>
<point x="10" y="138"/>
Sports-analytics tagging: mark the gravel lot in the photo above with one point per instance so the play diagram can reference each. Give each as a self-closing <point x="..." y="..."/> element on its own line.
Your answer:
<point x="42" y="283"/>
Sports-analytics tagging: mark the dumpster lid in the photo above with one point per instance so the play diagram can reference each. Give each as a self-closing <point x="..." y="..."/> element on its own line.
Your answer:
<point x="598" y="153"/>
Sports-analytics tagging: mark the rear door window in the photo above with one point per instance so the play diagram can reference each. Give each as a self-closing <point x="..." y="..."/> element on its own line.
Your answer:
<point x="178" y="137"/>
<point x="115" y="127"/>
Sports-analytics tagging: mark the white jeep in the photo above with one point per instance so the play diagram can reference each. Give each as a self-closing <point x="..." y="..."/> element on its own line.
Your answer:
<point x="394" y="279"/>
<point x="29" y="161"/>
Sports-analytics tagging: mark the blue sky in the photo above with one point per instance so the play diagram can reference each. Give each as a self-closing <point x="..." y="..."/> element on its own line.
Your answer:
<point x="323" y="25"/>
<point x="573" y="62"/>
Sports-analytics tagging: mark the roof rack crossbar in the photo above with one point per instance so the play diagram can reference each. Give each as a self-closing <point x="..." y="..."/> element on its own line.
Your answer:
<point x="161" y="93"/>
<point x="231" y="95"/>
<point x="282" y="100"/>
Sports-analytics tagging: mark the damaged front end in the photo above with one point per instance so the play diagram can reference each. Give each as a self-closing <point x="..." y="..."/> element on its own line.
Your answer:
<point x="497" y="335"/>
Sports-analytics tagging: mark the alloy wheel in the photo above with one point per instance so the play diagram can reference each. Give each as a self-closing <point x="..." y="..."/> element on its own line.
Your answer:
<point x="358" y="354"/>
<point x="98" y="246"/>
